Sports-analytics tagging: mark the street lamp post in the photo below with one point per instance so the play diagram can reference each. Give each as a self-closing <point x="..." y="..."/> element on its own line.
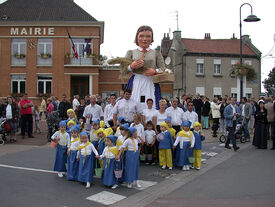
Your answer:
<point x="250" y="18"/>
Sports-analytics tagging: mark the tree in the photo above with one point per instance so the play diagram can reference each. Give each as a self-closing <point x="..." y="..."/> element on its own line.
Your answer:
<point x="269" y="83"/>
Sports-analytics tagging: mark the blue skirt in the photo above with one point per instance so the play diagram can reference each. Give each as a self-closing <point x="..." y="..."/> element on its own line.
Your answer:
<point x="72" y="166"/>
<point x="108" y="177"/>
<point x="95" y="143"/>
<point x="85" y="169"/>
<point x="121" y="165"/>
<point x="101" y="146"/>
<point x="182" y="155"/>
<point x="131" y="166"/>
<point x="60" y="159"/>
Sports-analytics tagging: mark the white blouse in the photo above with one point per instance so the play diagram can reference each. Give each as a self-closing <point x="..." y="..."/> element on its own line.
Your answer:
<point x="161" y="117"/>
<point x="89" y="149"/>
<point x="122" y="139"/>
<point x="64" y="138"/>
<point x="148" y="114"/>
<point x="107" y="153"/>
<point x="129" y="144"/>
<point x="74" y="144"/>
<point x="180" y="140"/>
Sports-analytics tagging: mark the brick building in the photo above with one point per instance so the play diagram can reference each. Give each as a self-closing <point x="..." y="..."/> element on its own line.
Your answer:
<point x="204" y="65"/>
<point x="36" y="54"/>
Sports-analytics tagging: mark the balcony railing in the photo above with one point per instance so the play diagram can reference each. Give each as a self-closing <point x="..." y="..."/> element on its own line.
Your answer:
<point x="82" y="60"/>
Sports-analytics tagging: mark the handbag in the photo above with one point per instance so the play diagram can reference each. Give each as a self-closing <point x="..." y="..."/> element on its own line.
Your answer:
<point x="53" y="144"/>
<point x="118" y="172"/>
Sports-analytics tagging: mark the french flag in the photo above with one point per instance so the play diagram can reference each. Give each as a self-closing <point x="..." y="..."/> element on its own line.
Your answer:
<point x="73" y="46"/>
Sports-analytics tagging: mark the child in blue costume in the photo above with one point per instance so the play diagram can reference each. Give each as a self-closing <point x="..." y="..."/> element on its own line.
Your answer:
<point x="93" y="133"/>
<point x="199" y="137"/>
<point x="63" y="139"/>
<point x="119" y="143"/>
<point x="109" y="154"/>
<point x="86" y="161"/>
<point x="165" y="147"/>
<point x="186" y="141"/>
<point x="132" y="158"/>
<point x="72" y="153"/>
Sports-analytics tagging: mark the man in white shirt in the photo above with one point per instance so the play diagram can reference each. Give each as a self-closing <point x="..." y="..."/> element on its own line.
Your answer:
<point x="176" y="114"/>
<point x="190" y="115"/>
<point x="94" y="109"/>
<point x="76" y="102"/>
<point x="127" y="108"/>
<point x="108" y="112"/>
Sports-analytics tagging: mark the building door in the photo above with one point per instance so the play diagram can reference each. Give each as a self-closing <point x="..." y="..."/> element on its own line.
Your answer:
<point x="79" y="86"/>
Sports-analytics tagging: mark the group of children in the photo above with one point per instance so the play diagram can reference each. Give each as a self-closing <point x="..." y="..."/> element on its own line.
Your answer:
<point x="86" y="146"/>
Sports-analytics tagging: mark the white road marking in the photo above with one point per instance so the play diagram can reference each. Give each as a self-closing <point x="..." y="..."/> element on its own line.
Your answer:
<point x="25" y="168"/>
<point x="106" y="198"/>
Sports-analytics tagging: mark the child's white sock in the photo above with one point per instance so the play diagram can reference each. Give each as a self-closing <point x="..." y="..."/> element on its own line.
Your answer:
<point x="88" y="185"/>
<point x="129" y="185"/>
<point x="163" y="167"/>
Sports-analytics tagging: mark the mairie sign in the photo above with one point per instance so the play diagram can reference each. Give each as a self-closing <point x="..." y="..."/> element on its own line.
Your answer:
<point x="23" y="31"/>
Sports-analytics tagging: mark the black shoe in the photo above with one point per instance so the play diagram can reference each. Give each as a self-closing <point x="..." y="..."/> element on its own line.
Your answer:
<point x="236" y="149"/>
<point x="228" y="147"/>
<point x="214" y="135"/>
<point x="31" y="136"/>
<point x="273" y="148"/>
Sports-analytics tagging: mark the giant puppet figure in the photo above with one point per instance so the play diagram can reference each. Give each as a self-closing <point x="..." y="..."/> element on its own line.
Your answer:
<point x="146" y="67"/>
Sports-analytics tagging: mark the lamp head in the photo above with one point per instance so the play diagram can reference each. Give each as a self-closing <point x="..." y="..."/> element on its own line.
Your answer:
<point x="252" y="18"/>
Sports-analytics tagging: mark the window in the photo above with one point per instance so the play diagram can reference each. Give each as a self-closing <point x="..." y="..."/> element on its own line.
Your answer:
<point x="18" y="52"/>
<point x="248" y="93"/>
<point x="248" y="62"/>
<point x="217" y="92"/>
<point x="44" y="52"/>
<point x="233" y="62"/>
<point x="18" y="84"/>
<point x="217" y="67"/>
<point x="84" y="51"/>
<point x="44" y="84"/>
<point x="200" y="90"/>
<point x="234" y="92"/>
<point x="200" y="66"/>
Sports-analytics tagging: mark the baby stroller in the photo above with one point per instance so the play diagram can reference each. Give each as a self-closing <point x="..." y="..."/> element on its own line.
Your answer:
<point x="3" y="130"/>
<point x="239" y="131"/>
<point x="53" y="123"/>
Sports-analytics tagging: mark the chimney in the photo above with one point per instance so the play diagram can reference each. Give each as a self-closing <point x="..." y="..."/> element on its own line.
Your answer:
<point x="177" y="35"/>
<point x="233" y="37"/>
<point x="207" y="36"/>
<point x="246" y="38"/>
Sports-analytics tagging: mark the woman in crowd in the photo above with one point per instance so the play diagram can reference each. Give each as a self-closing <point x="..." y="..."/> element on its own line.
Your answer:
<point x="147" y="114"/>
<point x="260" y="134"/>
<point x="216" y="115"/>
<point x="11" y="112"/>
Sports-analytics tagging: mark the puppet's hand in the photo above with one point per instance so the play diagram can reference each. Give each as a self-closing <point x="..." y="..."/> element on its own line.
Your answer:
<point x="137" y="64"/>
<point x="150" y="72"/>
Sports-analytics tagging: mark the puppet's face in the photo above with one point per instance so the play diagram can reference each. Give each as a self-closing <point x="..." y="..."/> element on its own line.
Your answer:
<point x="144" y="39"/>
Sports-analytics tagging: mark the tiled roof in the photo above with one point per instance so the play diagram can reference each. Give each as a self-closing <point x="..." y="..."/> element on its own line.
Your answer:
<point x="216" y="46"/>
<point x="43" y="10"/>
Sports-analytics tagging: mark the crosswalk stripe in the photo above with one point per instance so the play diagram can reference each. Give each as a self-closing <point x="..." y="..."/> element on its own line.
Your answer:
<point x="25" y="168"/>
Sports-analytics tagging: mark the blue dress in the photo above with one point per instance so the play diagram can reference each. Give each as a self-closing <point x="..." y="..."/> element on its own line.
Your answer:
<point x="183" y="154"/>
<point x="85" y="169"/>
<point x="73" y="165"/>
<point x="108" y="177"/>
<point x="60" y="158"/>
<point x="131" y="172"/>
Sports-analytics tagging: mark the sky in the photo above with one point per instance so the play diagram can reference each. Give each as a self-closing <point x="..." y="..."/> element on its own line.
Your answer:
<point x="220" y="18"/>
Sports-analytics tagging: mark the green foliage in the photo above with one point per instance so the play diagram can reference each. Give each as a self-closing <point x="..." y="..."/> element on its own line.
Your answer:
<point x="269" y="83"/>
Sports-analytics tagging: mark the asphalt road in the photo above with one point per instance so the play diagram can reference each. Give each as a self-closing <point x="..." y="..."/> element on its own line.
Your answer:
<point x="27" y="179"/>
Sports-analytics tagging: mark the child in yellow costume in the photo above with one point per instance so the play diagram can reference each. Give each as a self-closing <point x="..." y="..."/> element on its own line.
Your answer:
<point x="199" y="137"/>
<point x="165" y="145"/>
